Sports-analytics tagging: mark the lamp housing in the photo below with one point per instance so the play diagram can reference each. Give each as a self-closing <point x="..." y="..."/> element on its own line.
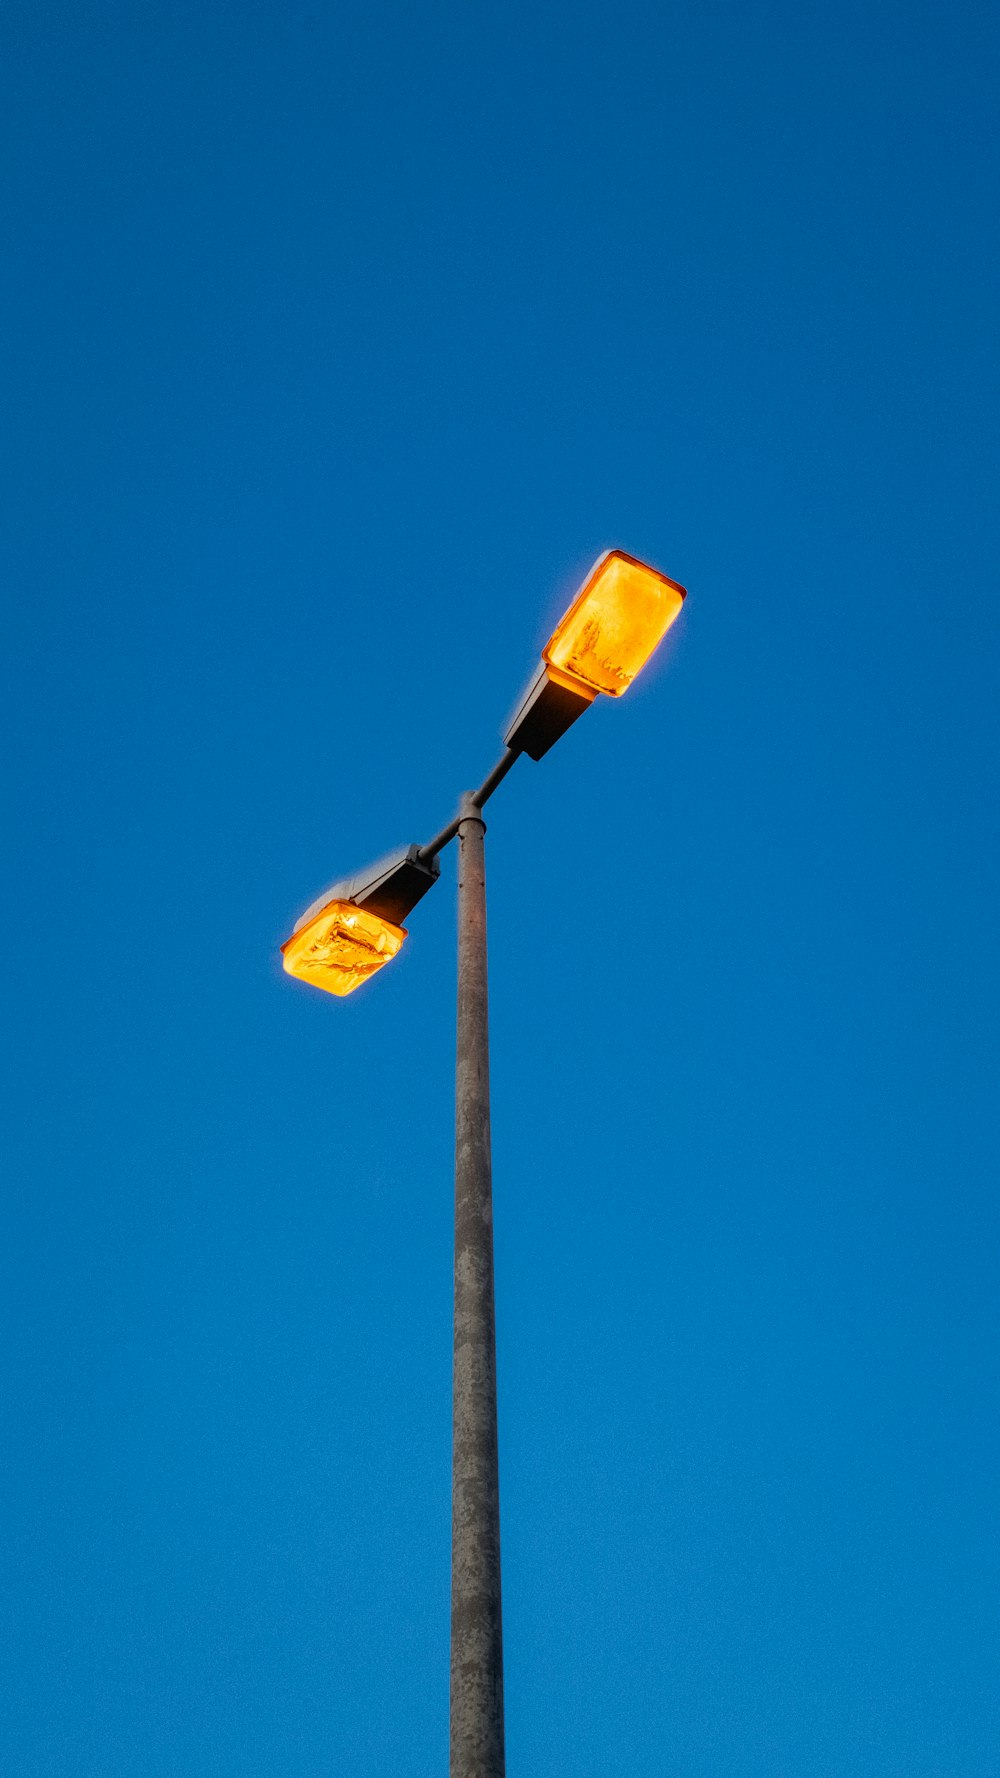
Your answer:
<point x="550" y="706"/>
<point x="391" y="887"/>
<point x="353" y="929"/>
<point x="622" y="611"/>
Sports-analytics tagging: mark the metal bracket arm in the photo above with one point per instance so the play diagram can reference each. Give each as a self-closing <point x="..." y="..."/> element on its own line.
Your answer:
<point x="475" y="799"/>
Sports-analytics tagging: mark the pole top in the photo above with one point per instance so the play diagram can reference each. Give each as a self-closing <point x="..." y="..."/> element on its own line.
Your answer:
<point x="470" y="810"/>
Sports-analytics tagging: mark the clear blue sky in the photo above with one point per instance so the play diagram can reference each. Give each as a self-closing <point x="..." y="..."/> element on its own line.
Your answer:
<point x="337" y="342"/>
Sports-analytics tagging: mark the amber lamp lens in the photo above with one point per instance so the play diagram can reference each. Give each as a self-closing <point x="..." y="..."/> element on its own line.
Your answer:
<point x="613" y="625"/>
<point x="342" y="947"/>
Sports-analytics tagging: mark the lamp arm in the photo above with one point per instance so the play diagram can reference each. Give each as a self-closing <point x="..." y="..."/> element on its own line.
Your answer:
<point x="476" y="798"/>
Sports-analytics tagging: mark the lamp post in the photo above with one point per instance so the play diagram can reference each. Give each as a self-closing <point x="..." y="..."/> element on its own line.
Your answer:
<point x="622" y="611"/>
<point x="477" y="1738"/>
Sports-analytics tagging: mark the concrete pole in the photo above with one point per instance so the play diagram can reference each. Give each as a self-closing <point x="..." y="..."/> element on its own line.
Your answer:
<point x="477" y="1737"/>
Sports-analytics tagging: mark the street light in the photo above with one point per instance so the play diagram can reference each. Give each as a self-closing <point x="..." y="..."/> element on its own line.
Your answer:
<point x="622" y="611"/>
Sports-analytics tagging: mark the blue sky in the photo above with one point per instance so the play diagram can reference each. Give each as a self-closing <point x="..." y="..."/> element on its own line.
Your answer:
<point x="337" y="343"/>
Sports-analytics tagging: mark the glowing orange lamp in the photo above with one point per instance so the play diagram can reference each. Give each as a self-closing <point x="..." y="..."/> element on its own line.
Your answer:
<point x="355" y="928"/>
<point x="342" y="947"/>
<point x="622" y="611"/>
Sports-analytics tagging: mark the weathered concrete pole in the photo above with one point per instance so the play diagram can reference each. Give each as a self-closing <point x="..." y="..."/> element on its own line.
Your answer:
<point x="477" y="1738"/>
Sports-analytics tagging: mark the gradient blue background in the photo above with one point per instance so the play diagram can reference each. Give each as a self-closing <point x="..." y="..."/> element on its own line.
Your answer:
<point x="337" y="343"/>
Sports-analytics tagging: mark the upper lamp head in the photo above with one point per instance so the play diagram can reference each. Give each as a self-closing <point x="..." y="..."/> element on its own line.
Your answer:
<point x="623" y="609"/>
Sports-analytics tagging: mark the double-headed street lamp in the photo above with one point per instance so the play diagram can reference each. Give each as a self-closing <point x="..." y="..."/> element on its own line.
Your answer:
<point x="621" y="612"/>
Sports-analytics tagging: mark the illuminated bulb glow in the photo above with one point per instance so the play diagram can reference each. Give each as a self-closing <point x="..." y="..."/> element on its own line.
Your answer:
<point x="342" y="947"/>
<point x="616" y="620"/>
